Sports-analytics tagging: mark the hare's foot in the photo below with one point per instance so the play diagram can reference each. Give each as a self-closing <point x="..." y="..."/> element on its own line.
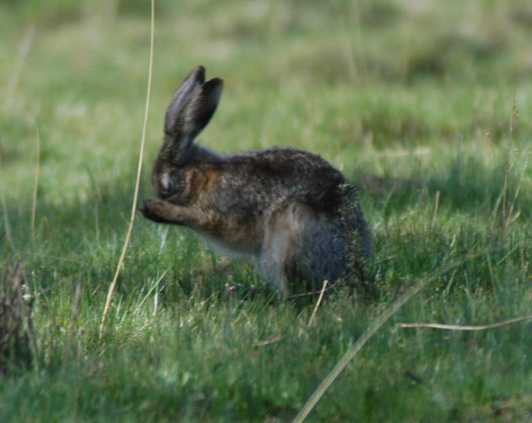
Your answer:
<point x="161" y="211"/>
<point x="157" y="211"/>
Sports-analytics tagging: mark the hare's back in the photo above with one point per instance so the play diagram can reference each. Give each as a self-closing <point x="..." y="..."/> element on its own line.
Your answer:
<point x="285" y="159"/>
<point x="256" y="183"/>
<point x="295" y="174"/>
<point x="287" y="167"/>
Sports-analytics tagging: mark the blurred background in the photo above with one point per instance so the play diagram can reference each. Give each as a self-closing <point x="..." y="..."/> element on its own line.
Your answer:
<point x="356" y="81"/>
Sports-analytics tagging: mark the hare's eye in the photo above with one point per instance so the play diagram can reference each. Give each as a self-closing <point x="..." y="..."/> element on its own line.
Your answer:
<point x="166" y="182"/>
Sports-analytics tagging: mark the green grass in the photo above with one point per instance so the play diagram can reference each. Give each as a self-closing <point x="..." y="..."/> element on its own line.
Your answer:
<point x="413" y="100"/>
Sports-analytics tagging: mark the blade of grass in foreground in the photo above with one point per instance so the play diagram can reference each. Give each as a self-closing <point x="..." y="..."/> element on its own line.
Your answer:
<point x="139" y="173"/>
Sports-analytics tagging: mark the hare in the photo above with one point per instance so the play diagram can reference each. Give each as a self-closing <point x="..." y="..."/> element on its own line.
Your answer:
<point x="288" y="209"/>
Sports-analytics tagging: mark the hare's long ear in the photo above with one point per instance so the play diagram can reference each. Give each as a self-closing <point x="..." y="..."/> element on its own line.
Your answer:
<point x="190" y="110"/>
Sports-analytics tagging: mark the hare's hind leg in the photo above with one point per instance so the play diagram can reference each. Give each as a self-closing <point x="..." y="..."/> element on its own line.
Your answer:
<point x="280" y="256"/>
<point x="274" y="259"/>
<point x="300" y="243"/>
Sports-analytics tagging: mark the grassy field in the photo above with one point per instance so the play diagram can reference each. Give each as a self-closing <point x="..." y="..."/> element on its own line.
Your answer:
<point x="425" y="105"/>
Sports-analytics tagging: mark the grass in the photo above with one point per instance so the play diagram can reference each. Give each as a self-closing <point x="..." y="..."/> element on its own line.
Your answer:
<point x="424" y="106"/>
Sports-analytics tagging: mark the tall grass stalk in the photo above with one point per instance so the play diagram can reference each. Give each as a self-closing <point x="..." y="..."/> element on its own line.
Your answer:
<point x="24" y="50"/>
<point x="508" y="216"/>
<point x="36" y="184"/>
<point x="317" y="306"/>
<point x="468" y="328"/>
<point x="112" y="286"/>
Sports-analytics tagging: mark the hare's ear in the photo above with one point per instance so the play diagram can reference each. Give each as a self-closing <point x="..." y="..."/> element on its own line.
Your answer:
<point x="190" y="110"/>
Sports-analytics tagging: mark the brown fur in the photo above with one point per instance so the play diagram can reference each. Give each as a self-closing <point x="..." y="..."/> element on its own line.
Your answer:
<point x="289" y="209"/>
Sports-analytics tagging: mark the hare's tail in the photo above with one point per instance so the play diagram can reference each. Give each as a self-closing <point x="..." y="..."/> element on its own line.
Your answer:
<point x="190" y="110"/>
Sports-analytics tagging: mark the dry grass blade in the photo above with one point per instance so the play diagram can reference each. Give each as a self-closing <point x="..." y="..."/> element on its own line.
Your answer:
<point x="23" y="52"/>
<point x="324" y="287"/>
<point x="273" y="340"/>
<point x="112" y="286"/>
<point x="464" y="327"/>
<point x="436" y="207"/>
<point x="36" y="186"/>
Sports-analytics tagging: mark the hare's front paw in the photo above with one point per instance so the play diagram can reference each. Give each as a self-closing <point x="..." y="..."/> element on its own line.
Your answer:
<point x="155" y="210"/>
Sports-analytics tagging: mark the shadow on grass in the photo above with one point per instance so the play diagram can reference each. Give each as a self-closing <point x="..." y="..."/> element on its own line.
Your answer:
<point x="84" y="239"/>
<point x="467" y="186"/>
